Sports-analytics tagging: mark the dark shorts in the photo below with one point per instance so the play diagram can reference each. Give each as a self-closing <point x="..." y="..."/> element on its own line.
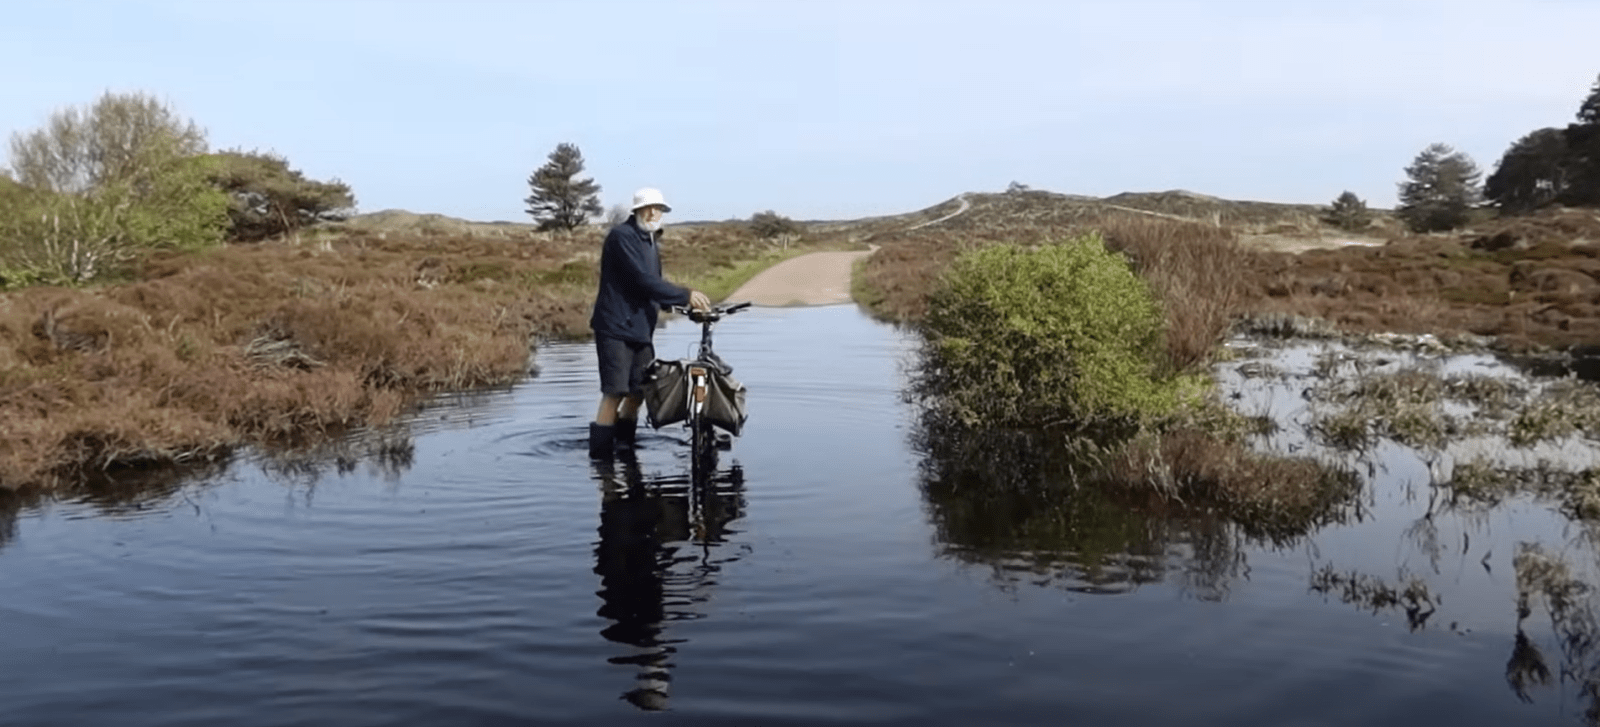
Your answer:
<point x="622" y="365"/>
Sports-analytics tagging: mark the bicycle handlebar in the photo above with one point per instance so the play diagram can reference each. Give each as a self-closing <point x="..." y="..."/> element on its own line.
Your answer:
<point x="716" y="312"/>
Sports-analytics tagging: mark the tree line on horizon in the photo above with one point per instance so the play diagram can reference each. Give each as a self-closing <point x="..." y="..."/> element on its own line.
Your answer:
<point x="98" y="184"/>
<point x="1444" y="187"/>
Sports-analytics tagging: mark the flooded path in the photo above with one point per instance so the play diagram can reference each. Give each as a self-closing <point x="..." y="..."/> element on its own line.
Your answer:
<point x="488" y="573"/>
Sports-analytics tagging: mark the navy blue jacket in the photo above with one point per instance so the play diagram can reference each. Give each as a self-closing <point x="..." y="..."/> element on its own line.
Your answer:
<point x="632" y="291"/>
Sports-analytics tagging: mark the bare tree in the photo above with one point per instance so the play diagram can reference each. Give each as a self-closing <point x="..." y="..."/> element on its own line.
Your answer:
<point x="119" y="138"/>
<point x="619" y="214"/>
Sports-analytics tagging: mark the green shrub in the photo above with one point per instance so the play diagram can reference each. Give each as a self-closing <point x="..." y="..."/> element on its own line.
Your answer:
<point x="1061" y="334"/>
<point x="100" y="184"/>
<point x="770" y="225"/>
<point x="267" y="198"/>
<point x="79" y="236"/>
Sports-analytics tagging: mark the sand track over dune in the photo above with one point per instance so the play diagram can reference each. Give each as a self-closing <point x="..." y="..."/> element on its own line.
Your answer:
<point x="818" y="278"/>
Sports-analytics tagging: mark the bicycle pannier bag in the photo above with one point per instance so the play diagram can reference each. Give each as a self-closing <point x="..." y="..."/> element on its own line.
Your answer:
<point x="666" y="396"/>
<point x="666" y="392"/>
<point x="725" y="402"/>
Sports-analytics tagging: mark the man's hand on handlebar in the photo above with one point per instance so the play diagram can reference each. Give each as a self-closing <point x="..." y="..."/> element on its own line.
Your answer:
<point x="710" y="312"/>
<point x="699" y="301"/>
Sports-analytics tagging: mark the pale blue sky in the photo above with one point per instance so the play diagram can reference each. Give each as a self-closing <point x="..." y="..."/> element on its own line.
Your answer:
<point x="824" y="108"/>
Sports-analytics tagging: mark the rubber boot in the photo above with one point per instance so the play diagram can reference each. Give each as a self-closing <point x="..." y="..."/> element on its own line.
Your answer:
<point x="626" y="433"/>
<point x="601" y="440"/>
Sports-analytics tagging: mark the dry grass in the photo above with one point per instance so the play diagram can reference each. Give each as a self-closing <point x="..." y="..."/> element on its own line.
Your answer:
<point x="1418" y="407"/>
<point x="1269" y="496"/>
<point x="1480" y="484"/>
<point x="1193" y="268"/>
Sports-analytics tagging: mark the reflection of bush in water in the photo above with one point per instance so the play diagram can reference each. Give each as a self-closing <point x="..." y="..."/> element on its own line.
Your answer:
<point x="114" y="492"/>
<point x="11" y="503"/>
<point x="1115" y="516"/>
<point x="1547" y="580"/>
<point x="1412" y="596"/>
<point x="389" y="453"/>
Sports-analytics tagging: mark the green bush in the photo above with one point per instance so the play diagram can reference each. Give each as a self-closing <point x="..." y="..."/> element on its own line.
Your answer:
<point x="79" y="236"/>
<point x="1061" y="334"/>
<point x="98" y="185"/>
<point x="267" y="198"/>
<point x="770" y="225"/>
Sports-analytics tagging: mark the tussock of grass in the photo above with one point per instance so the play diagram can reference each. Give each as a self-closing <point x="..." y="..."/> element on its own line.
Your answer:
<point x="1482" y="484"/>
<point x="1410" y="407"/>
<point x="1566" y="408"/>
<point x="1267" y="495"/>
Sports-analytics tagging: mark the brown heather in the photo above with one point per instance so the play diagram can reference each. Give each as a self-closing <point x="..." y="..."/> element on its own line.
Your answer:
<point x="280" y="344"/>
<point x="1529" y="283"/>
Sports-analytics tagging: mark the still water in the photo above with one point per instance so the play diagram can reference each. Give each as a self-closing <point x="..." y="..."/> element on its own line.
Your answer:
<point x="489" y="574"/>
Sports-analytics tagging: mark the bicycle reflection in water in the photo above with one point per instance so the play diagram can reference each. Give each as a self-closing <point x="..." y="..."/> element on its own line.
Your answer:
<point x="658" y="557"/>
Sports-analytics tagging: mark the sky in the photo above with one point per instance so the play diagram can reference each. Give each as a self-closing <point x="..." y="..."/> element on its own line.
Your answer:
<point x="822" y="109"/>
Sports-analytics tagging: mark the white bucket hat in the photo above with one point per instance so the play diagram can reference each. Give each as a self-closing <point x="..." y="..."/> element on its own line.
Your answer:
<point x="649" y="196"/>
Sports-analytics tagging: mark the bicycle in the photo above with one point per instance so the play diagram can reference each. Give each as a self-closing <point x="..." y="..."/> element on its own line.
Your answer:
<point x="710" y="398"/>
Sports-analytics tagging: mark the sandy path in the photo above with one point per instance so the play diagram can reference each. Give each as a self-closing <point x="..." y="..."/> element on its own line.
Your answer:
<point x="966" y="204"/>
<point x="818" y="278"/>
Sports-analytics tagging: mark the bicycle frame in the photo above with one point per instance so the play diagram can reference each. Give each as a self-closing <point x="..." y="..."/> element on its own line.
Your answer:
<point x="699" y="372"/>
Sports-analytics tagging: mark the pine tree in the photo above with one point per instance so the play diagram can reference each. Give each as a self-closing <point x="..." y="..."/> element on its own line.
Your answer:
<point x="1349" y="212"/>
<point x="1440" y="190"/>
<point x="1533" y="173"/>
<point x="559" y="200"/>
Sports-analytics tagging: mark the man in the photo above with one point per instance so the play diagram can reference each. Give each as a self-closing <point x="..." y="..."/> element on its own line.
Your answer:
<point x="632" y="292"/>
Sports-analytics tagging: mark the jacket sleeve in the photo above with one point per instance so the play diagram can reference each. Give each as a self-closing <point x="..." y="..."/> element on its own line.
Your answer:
<point x="639" y="277"/>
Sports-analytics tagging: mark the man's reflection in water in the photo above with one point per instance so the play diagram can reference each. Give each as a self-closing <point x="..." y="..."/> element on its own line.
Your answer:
<point x="654" y="559"/>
